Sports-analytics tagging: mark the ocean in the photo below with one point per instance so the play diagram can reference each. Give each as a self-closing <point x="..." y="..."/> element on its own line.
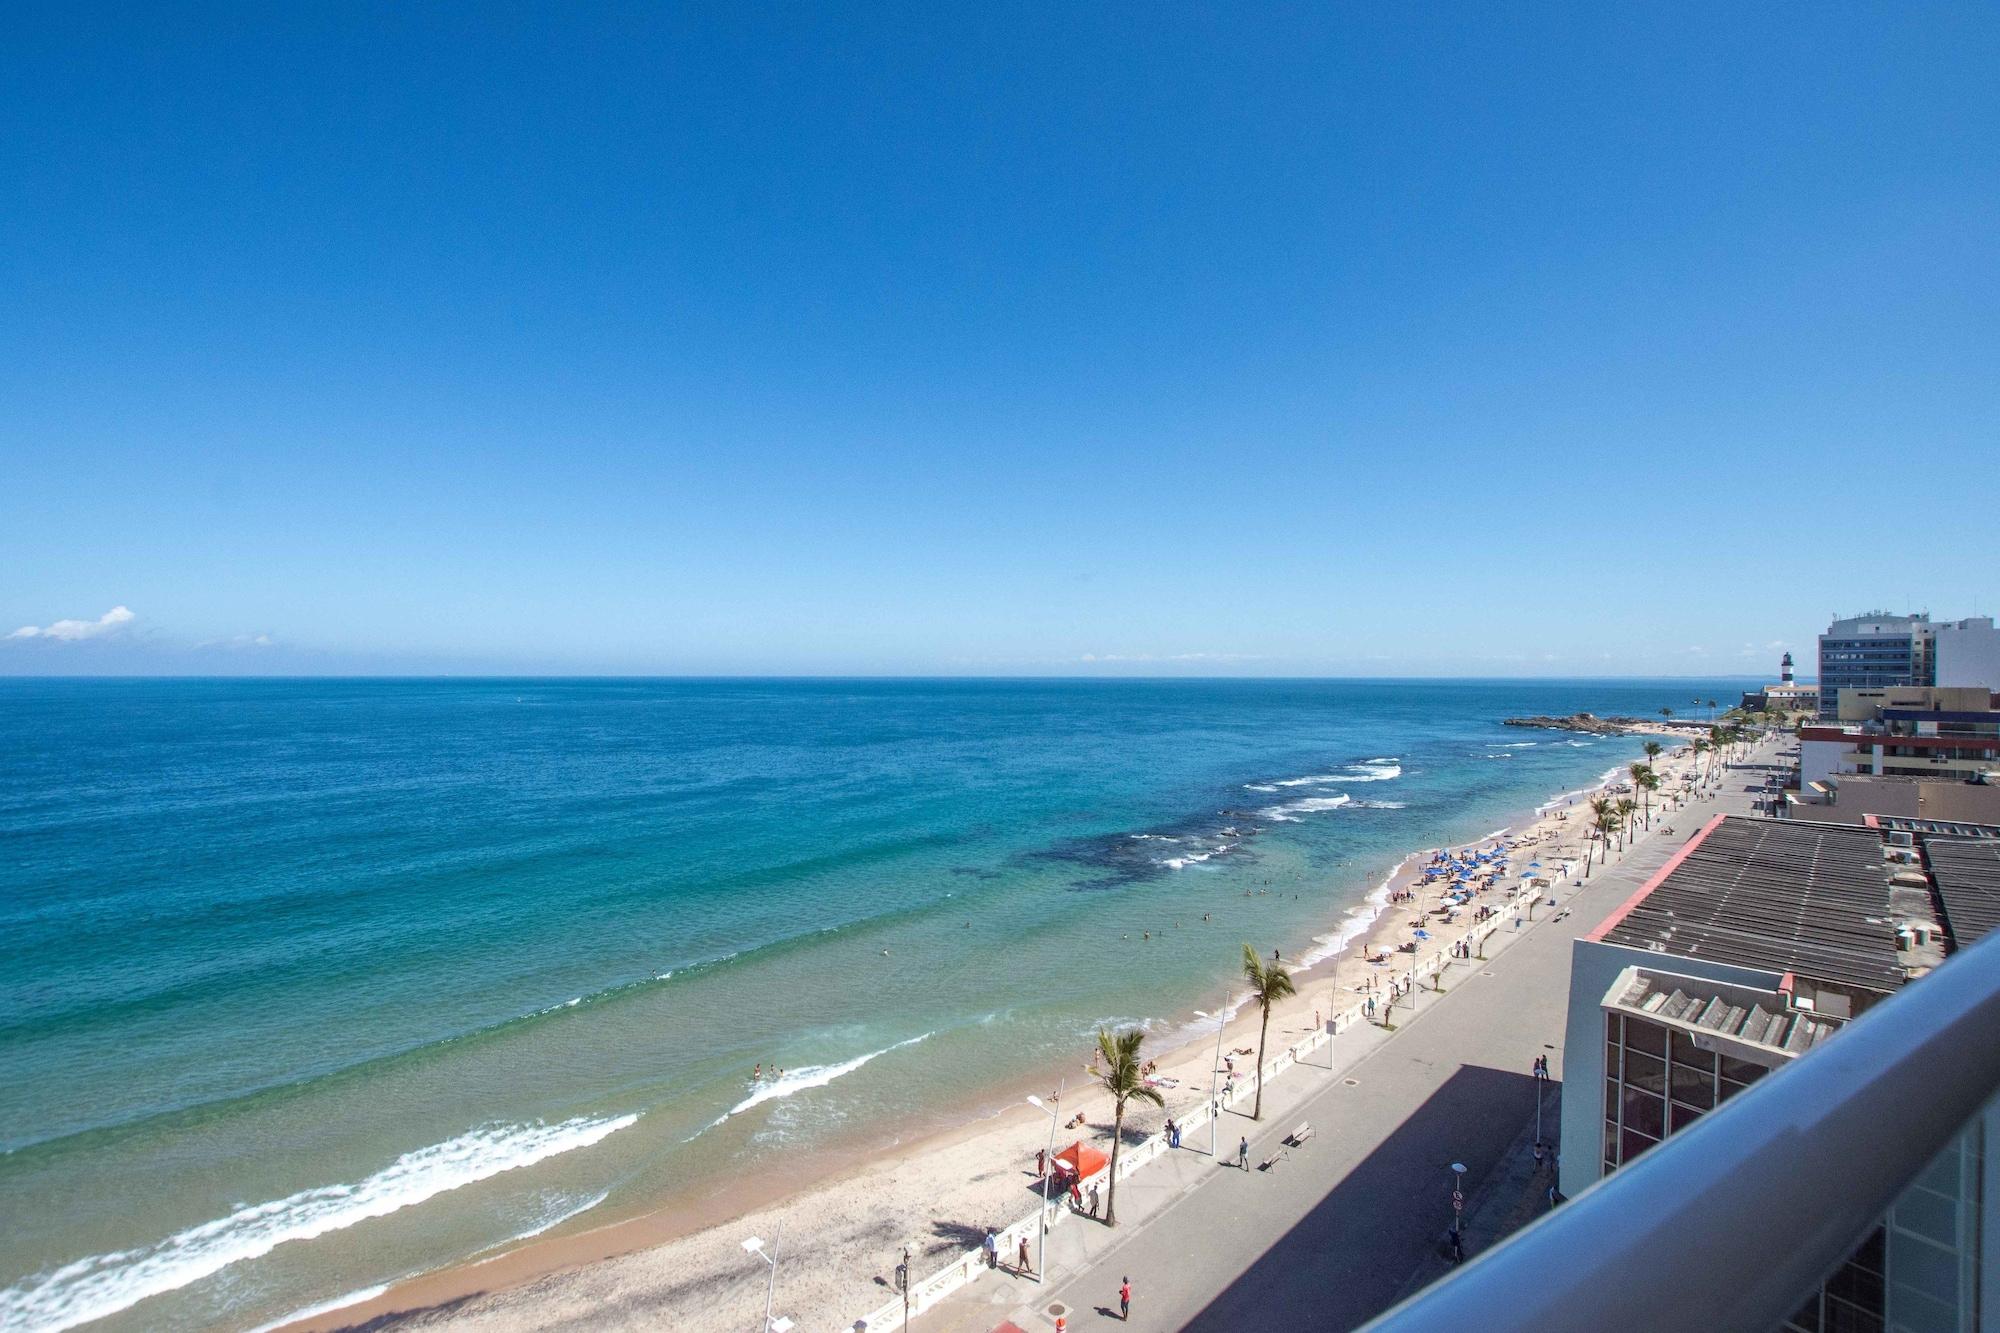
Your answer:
<point x="310" y="985"/>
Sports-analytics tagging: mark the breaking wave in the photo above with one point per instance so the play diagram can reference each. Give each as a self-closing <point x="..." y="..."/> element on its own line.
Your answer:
<point x="105" y="1284"/>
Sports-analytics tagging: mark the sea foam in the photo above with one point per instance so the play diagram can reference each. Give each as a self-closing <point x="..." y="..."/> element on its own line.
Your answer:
<point x="104" y="1284"/>
<point x="1290" y="812"/>
<point x="812" y="1076"/>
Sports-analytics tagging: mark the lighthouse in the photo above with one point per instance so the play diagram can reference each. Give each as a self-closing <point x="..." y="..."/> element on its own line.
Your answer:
<point x="1785" y="670"/>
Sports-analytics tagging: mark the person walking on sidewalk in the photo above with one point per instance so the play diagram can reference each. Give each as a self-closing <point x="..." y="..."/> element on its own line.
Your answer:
<point x="1243" y="1154"/>
<point x="1027" y="1269"/>
<point x="1125" y="1299"/>
<point x="992" y="1247"/>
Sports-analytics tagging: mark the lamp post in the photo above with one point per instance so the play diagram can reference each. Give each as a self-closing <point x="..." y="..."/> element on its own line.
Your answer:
<point x="1332" y="1025"/>
<point x="1457" y="1207"/>
<point x="756" y="1246"/>
<point x="1215" y="1072"/>
<point x="903" y="1284"/>
<point x="1048" y="1170"/>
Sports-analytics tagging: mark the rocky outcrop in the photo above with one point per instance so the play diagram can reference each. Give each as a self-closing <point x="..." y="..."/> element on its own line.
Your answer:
<point x="1588" y="723"/>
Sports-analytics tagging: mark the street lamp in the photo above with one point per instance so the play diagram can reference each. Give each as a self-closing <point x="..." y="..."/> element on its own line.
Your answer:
<point x="1215" y="1072"/>
<point x="755" y="1246"/>
<point x="1457" y="1207"/>
<point x="1048" y="1170"/>
<point x="1332" y="1024"/>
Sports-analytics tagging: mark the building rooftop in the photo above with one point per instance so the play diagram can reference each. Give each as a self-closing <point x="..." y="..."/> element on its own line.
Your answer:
<point x="1966" y="872"/>
<point x="1772" y="894"/>
<point x="1864" y="798"/>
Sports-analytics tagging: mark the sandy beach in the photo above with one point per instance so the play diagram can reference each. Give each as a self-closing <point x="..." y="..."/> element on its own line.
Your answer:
<point x="840" y="1236"/>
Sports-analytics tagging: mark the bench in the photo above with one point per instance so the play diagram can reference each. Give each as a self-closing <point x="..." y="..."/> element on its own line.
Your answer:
<point x="1301" y="1134"/>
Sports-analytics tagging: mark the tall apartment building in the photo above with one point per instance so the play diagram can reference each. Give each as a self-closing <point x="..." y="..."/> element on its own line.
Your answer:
<point x="1873" y="651"/>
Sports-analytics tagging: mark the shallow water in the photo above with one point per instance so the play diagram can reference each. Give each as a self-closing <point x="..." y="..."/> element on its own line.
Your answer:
<point x="309" y="985"/>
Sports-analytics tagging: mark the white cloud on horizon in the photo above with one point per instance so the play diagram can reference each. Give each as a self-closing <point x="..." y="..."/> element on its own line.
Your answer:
<point x="71" y="631"/>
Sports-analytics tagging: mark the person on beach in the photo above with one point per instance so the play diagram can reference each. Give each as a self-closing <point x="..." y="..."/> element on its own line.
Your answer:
<point x="1125" y="1299"/>
<point x="992" y="1247"/>
<point x="1041" y="1162"/>
<point x="1027" y="1269"/>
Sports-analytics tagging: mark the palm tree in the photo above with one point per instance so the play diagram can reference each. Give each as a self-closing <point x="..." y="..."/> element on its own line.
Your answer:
<point x="1118" y="1069"/>
<point x="1711" y="708"/>
<point x="1700" y="748"/>
<point x="1604" y="818"/>
<point x="1269" y="983"/>
<point x="1649" y="782"/>
<point x="1626" y="805"/>
<point x="1638" y="772"/>
<point x="1667" y="713"/>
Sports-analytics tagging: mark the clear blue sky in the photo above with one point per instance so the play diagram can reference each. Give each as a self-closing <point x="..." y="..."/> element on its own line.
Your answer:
<point x="1379" y="339"/>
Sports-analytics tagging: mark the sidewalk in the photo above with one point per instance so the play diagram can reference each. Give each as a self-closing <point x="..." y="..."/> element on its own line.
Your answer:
<point x="1334" y="1231"/>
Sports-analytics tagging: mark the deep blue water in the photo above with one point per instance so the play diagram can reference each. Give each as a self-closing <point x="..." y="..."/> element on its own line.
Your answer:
<point x="495" y="952"/>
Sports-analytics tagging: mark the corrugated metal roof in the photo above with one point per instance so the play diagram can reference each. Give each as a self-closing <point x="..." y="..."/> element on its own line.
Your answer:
<point x="1967" y="874"/>
<point x="1779" y="895"/>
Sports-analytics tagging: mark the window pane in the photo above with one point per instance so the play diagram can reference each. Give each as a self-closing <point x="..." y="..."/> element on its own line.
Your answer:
<point x="1631" y="1145"/>
<point x="1612" y="1027"/>
<point x="1686" y="1052"/>
<point x="1611" y="1142"/>
<point x="1645" y="1113"/>
<point x="1645" y="1071"/>
<point x="1643" y="1036"/>
<point x="1742" y="1070"/>
<point x="1684" y="1116"/>
<point x="1695" y="1086"/>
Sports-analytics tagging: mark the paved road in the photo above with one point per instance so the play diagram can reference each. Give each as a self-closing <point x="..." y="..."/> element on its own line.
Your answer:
<point x="1330" y="1236"/>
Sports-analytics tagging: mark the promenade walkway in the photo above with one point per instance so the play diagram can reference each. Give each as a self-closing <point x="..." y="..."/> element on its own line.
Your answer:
<point x="1339" y="1229"/>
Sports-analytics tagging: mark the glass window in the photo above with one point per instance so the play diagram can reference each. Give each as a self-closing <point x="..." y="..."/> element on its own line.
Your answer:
<point x="1644" y="1036"/>
<point x="1631" y="1144"/>
<point x="1686" y="1052"/>
<point x="1684" y="1116"/>
<point x="1613" y="1027"/>
<point x="1645" y="1071"/>
<point x="1610" y="1143"/>
<point x="1694" y="1085"/>
<point x="1610" y="1099"/>
<point x="1645" y="1113"/>
<point x="1742" y="1071"/>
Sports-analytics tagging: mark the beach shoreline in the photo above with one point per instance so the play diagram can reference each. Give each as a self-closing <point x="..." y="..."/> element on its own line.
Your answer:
<point x="862" y="1203"/>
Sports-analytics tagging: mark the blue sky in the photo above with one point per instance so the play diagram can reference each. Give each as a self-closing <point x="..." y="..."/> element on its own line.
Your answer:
<point x="1321" y="340"/>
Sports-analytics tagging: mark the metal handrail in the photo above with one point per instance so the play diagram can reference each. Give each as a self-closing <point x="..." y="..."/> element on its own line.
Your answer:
<point x="1731" y="1223"/>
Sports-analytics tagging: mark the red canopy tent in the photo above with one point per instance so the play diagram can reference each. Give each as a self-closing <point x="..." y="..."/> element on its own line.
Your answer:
<point x="1081" y="1160"/>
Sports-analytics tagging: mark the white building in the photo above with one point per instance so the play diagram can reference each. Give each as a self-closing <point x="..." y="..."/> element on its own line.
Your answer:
<point x="1967" y="652"/>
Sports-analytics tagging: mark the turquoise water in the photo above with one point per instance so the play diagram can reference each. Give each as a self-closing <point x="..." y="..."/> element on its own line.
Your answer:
<point x="309" y="985"/>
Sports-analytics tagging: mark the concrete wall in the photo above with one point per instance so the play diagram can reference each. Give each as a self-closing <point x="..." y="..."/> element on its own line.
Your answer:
<point x="1968" y="653"/>
<point x="1820" y="760"/>
<point x="1593" y="966"/>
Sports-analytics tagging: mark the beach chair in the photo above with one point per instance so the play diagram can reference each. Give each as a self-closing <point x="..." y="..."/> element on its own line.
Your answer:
<point x="1299" y="1135"/>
